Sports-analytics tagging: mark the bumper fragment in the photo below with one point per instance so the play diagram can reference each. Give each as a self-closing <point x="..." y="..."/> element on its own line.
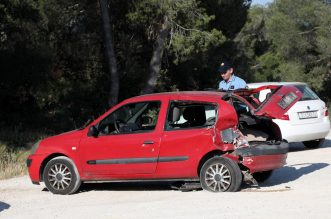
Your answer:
<point x="34" y="162"/>
<point x="263" y="156"/>
<point x="28" y="162"/>
<point x="263" y="149"/>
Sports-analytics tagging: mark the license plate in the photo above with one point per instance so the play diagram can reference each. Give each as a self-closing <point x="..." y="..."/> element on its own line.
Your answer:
<point x="307" y="115"/>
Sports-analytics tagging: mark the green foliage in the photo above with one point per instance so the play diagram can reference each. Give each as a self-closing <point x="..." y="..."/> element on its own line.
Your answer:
<point x="52" y="55"/>
<point x="15" y="145"/>
<point x="188" y="23"/>
<point x="290" y="41"/>
<point x="12" y="163"/>
<point x="298" y="29"/>
<point x="17" y="137"/>
<point x="268" y="67"/>
<point x="230" y="15"/>
<point x="194" y="44"/>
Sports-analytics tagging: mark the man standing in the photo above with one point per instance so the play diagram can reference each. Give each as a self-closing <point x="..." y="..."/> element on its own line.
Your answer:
<point x="230" y="81"/>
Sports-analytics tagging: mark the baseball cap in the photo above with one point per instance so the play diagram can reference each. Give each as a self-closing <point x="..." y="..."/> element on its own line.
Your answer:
<point x="224" y="66"/>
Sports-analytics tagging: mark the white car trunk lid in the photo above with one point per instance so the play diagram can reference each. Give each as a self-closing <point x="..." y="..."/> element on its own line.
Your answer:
<point x="305" y="112"/>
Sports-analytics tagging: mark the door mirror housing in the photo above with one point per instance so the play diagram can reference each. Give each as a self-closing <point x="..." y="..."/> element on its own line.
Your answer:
<point x="93" y="131"/>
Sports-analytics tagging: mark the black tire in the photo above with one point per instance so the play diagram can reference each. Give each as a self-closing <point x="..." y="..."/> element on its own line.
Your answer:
<point x="220" y="174"/>
<point x="314" y="144"/>
<point x="262" y="176"/>
<point x="61" y="176"/>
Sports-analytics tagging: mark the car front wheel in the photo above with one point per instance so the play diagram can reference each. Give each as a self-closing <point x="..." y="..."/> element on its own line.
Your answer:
<point x="220" y="174"/>
<point x="314" y="144"/>
<point x="61" y="176"/>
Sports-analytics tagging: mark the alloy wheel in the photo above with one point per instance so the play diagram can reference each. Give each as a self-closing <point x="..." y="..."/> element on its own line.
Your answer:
<point x="218" y="177"/>
<point x="59" y="176"/>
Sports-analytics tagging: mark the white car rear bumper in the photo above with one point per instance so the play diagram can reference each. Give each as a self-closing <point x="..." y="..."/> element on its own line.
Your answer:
<point x="306" y="132"/>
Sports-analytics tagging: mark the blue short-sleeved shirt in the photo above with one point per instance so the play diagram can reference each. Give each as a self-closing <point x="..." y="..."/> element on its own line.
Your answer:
<point x="233" y="83"/>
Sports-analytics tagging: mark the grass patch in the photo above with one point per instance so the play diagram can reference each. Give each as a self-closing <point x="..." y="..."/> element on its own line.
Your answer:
<point x="15" y="145"/>
<point x="12" y="162"/>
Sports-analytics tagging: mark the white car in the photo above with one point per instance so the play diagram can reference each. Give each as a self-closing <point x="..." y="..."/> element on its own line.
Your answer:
<point x="306" y="121"/>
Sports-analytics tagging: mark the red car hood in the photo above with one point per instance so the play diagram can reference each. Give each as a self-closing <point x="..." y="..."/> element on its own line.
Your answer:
<point x="62" y="142"/>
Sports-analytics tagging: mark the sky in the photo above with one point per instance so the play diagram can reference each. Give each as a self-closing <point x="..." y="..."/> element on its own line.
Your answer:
<point x="261" y="2"/>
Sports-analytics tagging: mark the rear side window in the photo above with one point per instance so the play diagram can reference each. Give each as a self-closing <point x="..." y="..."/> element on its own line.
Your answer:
<point x="186" y="115"/>
<point x="307" y="93"/>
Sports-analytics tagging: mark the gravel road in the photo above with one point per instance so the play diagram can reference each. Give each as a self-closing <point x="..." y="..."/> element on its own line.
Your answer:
<point x="301" y="189"/>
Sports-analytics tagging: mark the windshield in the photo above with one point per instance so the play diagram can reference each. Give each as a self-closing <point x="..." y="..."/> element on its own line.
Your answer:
<point x="307" y="93"/>
<point x="89" y="121"/>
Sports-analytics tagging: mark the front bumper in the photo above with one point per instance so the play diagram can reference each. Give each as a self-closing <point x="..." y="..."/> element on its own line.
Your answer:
<point x="34" y="163"/>
<point x="263" y="156"/>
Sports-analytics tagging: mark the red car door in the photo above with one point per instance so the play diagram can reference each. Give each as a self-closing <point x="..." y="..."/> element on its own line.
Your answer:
<point x="120" y="154"/>
<point x="188" y="134"/>
<point x="132" y="150"/>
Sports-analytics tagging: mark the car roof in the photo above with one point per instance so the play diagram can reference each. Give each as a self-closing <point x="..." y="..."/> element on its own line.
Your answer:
<point x="181" y="95"/>
<point x="259" y="84"/>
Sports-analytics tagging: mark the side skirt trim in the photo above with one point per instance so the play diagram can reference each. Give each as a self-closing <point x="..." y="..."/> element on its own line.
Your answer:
<point x="138" y="160"/>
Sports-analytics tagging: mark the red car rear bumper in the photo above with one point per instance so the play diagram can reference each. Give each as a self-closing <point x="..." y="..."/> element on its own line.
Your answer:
<point x="264" y="163"/>
<point x="263" y="157"/>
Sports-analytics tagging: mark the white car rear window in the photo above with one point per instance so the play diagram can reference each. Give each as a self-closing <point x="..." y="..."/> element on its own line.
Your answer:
<point x="307" y="93"/>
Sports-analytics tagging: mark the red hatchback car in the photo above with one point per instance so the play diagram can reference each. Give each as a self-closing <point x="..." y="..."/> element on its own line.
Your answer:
<point x="218" y="138"/>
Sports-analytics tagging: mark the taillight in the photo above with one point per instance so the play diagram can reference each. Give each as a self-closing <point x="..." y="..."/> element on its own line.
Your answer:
<point x="285" y="117"/>
<point x="326" y="112"/>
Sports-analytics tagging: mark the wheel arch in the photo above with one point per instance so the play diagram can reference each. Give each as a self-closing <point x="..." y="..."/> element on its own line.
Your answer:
<point x="207" y="157"/>
<point x="276" y="131"/>
<point x="45" y="161"/>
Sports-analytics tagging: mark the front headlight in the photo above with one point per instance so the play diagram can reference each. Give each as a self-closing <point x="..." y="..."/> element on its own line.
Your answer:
<point x="35" y="146"/>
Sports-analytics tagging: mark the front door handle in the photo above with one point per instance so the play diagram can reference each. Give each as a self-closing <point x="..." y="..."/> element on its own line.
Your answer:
<point x="148" y="142"/>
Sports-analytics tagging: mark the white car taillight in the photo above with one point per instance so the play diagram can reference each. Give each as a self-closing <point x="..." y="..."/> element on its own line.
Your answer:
<point x="326" y="113"/>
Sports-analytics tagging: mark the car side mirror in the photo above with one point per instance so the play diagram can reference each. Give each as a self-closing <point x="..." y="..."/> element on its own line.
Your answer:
<point x="93" y="131"/>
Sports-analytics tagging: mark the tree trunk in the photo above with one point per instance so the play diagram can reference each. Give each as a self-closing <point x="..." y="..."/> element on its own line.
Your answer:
<point x="156" y="60"/>
<point x="110" y="54"/>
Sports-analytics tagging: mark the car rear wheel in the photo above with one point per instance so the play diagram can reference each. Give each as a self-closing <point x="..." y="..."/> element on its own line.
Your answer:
<point x="220" y="174"/>
<point x="61" y="176"/>
<point x="262" y="176"/>
<point x="314" y="144"/>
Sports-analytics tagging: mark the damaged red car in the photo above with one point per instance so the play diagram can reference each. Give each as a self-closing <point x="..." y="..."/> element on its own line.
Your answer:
<point x="218" y="138"/>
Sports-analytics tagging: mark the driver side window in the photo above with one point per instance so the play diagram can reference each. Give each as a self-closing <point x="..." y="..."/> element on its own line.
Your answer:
<point x="131" y="118"/>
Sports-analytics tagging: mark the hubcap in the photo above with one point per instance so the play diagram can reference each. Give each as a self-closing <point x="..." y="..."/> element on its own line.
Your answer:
<point x="218" y="178"/>
<point x="59" y="176"/>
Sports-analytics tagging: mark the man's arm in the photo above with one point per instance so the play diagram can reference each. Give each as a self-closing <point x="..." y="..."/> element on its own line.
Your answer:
<point x="242" y="84"/>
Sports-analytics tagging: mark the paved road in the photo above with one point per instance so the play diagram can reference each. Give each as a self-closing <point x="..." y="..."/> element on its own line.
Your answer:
<point x="301" y="189"/>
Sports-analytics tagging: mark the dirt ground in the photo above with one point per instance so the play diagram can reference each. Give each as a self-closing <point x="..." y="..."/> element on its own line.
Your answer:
<point x="301" y="189"/>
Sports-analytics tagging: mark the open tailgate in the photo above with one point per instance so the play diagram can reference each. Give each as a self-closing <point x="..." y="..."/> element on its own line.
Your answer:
<point x="279" y="102"/>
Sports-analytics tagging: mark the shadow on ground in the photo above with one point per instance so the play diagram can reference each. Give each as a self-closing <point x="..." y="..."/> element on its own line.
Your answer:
<point x="292" y="172"/>
<point x="298" y="146"/>
<point x="129" y="186"/>
<point x="327" y="143"/>
<point x="294" y="147"/>
<point x="4" y="206"/>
